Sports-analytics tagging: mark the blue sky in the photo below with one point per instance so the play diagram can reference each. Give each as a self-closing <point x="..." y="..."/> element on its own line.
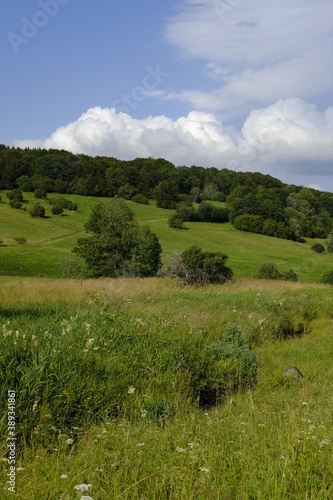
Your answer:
<point x="240" y="84"/>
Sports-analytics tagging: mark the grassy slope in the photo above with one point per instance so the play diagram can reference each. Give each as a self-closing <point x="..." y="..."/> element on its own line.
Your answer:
<point x="49" y="240"/>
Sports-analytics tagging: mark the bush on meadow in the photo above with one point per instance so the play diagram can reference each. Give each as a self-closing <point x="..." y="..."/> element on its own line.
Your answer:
<point x="268" y="271"/>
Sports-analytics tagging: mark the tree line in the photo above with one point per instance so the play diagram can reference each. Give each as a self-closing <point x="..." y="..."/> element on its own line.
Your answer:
<point x="255" y="202"/>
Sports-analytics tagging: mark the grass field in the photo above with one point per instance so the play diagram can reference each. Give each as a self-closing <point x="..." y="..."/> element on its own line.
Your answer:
<point x="114" y="379"/>
<point x="51" y="239"/>
<point x="273" y="440"/>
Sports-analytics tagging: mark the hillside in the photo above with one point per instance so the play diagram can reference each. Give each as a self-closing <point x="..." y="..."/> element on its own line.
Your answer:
<point x="49" y="240"/>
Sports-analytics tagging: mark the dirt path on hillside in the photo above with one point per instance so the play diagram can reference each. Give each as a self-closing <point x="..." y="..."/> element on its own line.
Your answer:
<point x="60" y="238"/>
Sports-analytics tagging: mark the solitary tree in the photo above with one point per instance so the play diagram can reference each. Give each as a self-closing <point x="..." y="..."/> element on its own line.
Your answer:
<point x="119" y="246"/>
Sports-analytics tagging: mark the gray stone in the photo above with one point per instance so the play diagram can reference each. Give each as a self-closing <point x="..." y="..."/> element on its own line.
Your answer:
<point x="292" y="373"/>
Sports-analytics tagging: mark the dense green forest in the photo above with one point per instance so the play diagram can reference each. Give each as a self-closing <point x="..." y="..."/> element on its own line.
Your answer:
<point x="255" y="202"/>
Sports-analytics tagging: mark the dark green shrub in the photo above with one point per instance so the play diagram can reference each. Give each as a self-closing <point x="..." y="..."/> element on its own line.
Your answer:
<point x="205" y="211"/>
<point x="193" y="257"/>
<point x="214" y="266"/>
<point x="187" y="212"/>
<point x="40" y="193"/>
<point x="268" y="271"/>
<point x="15" y="203"/>
<point x="72" y="206"/>
<point x="220" y="214"/>
<point x="60" y="202"/>
<point x="175" y="221"/>
<point x="317" y="247"/>
<point x="290" y="275"/>
<point x="140" y="198"/>
<point x="57" y="210"/>
<point x="327" y="278"/>
<point x="15" y="194"/>
<point x="249" y="223"/>
<point x="24" y="183"/>
<point x="196" y="267"/>
<point x="37" y="211"/>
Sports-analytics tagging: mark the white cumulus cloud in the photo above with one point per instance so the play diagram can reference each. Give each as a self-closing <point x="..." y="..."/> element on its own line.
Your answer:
<point x="289" y="136"/>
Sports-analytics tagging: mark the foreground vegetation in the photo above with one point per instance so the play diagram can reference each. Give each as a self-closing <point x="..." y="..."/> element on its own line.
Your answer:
<point x="146" y="431"/>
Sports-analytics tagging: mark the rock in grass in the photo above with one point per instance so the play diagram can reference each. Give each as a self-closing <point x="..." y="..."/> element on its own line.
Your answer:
<point x="292" y="373"/>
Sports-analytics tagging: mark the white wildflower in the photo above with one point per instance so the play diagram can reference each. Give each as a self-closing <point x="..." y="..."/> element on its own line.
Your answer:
<point x="69" y="441"/>
<point x="131" y="390"/>
<point x="82" y="487"/>
<point x="204" y="469"/>
<point x="63" y="476"/>
<point x="180" y="450"/>
<point x="324" y="442"/>
<point x="89" y="344"/>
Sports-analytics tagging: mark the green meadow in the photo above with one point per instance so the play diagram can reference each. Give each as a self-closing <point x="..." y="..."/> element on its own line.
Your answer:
<point x="120" y="391"/>
<point x="50" y="240"/>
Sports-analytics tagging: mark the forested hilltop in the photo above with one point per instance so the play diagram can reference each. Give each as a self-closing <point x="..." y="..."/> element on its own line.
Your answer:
<point x="255" y="202"/>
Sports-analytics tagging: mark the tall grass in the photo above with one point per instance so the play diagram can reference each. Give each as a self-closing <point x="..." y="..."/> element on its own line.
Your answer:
<point x="148" y="408"/>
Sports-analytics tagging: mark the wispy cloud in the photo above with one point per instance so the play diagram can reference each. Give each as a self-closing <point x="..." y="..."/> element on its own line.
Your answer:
<point x="260" y="52"/>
